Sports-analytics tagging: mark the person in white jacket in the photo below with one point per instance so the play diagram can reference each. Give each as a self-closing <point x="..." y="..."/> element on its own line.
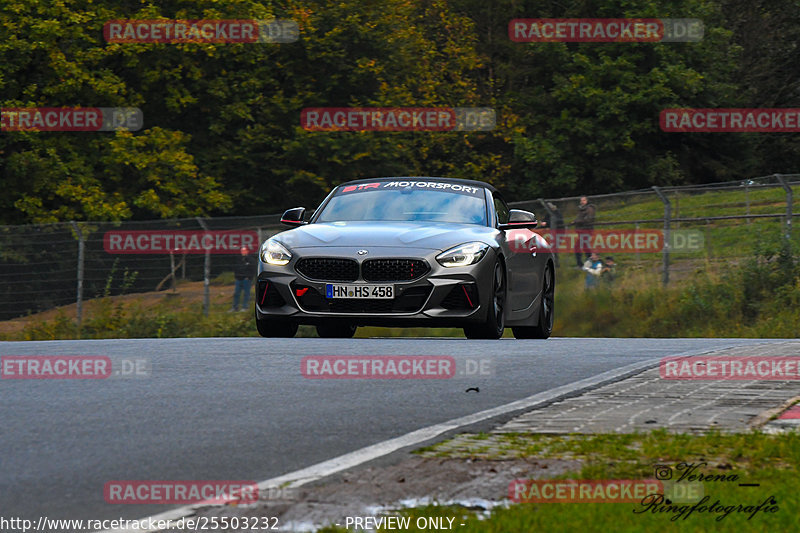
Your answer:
<point x="593" y="267"/>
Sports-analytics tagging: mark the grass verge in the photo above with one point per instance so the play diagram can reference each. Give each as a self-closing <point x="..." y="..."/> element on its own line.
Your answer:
<point x="771" y="461"/>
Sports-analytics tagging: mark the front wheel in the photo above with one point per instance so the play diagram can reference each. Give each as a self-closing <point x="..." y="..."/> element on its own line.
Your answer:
<point x="544" y="326"/>
<point x="495" y="317"/>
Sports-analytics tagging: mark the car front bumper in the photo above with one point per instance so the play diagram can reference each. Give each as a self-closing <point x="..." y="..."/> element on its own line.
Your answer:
<point x="443" y="297"/>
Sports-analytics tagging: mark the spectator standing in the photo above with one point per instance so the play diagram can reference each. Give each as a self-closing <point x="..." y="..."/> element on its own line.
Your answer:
<point x="584" y="221"/>
<point x="244" y="273"/>
<point x="553" y="221"/>
<point x="609" y="271"/>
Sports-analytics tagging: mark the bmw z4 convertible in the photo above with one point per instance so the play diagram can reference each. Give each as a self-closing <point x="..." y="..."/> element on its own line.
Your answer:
<point x="431" y="252"/>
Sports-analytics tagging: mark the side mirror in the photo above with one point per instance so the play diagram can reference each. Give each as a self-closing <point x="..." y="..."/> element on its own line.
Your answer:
<point x="294" y="217"/>
<point x="517" y="218"/>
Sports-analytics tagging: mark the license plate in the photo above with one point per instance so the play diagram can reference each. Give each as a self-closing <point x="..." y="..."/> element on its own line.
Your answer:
<point x="366" y="292"/>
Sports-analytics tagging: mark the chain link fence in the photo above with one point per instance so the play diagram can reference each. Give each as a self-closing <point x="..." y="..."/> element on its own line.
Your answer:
<point x="729" y="219"/>
<point x="51" y="265"/>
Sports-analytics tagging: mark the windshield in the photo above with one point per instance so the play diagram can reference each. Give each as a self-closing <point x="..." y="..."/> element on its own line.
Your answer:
<point x="414" y="203"/>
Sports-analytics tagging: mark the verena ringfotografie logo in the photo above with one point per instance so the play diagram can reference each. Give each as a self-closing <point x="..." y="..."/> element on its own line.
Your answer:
<point x="688" y="487"/>
<point x="732" y="120"/>
<point x="180" y="492"/>
<point x="604" y="241"/>
<point x="731" y="367"/>
<point x="582" y="491"/>
<point x="179" y="241"/>
<point x="200" y="31"/>
<point x="398" y="119"/>
<point x="70" y="119"/>
<point x="392" y="367"/>
<point x="72" y="367"/>
<point x="589" y="30"/>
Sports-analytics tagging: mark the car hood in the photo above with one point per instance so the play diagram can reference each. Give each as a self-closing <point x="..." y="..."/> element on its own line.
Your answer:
<point x="433" y="236"/>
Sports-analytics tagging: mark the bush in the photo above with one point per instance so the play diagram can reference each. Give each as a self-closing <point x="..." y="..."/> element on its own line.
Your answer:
<point x="759" y="298"/>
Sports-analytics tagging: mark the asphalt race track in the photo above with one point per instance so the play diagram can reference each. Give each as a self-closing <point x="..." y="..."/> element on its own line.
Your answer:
<point x="239" y="409"/>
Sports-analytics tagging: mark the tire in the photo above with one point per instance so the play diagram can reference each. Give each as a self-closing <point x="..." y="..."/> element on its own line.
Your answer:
<point x="336" y="331"/>
<point x="544" y="326"/>
<point x="495" y="317"/>
<point x="275" y="327"/>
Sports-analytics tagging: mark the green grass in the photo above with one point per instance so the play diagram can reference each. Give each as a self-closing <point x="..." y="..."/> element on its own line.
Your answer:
<point x="770" y="460"/>
<point x="724" y="238"/>
<point x="698" y="204"/>
<point x="752" y="448"/>
<point x="167" y="320"/>
<point x="757" y="297"/>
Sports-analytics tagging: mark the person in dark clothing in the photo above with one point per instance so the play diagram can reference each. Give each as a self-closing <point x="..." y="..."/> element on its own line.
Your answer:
<point x="609" y="271"/>
<point x="244" y="273"/>
<point x="553" y="221"/>
<point x="584" y="221"/>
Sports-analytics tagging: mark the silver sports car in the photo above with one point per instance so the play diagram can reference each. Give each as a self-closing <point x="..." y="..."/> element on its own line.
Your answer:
<point x="432" y="252"/>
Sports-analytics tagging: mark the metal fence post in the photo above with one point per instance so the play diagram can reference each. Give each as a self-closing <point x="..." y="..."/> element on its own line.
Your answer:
<point x="81" y="254"/>
<point x="789" y="200"/>
<point x="747" y="184"/>
<point x="667" y="217"/>
<point x="206" y="272"/>
<point x="172" y="268"/>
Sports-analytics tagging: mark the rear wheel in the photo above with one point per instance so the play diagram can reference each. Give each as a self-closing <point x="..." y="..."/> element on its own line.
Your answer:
<point x="495" y="318"/>
<point x="275" y="327"/>
<point x="336" y="331"/>
<point x="544" y="326"/>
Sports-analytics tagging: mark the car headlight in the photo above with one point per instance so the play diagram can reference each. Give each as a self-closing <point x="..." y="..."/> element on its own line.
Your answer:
<point x="274" y="253"/>
<point x="463" y="255"/>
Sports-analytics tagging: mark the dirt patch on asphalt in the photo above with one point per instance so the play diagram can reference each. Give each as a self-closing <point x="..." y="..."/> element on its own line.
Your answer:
<point x="474" y="483"/>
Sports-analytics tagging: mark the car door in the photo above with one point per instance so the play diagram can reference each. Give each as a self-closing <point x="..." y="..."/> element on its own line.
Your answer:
<point x="523" y="260"/>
